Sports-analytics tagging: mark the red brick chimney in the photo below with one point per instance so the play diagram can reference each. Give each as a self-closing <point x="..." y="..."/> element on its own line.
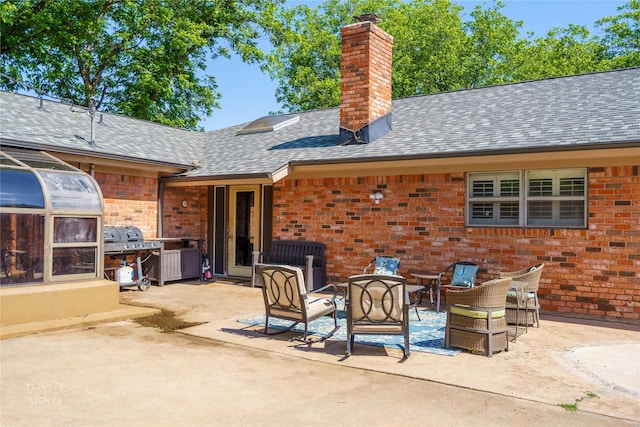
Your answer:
<point x="365" y="88"/>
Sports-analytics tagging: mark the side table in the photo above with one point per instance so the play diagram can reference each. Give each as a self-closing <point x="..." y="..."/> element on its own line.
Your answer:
<point x="430" y="282"/>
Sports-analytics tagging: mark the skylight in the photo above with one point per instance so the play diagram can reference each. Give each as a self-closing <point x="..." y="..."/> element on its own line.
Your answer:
<point x="268" y="124"/>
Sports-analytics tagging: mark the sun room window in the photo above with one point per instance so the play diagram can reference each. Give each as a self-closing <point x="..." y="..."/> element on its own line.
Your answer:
<point x="50" y="220"/>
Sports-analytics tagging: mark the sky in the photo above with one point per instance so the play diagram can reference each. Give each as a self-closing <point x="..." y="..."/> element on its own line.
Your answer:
<point x="248" y="94"/>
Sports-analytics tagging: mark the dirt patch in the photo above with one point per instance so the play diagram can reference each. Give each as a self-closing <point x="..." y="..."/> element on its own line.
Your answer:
<point x="166" y="321"/>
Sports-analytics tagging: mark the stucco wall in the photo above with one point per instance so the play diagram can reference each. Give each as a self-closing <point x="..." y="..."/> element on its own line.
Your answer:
<point x="589" y="272"/>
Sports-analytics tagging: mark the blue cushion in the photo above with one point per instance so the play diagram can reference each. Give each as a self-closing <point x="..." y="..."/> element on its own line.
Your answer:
<point x="464" y="275"/>
<point x="386" y="265"/>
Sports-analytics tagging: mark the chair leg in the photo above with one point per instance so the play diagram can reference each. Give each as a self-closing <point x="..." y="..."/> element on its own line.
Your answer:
<point x="407" y="351"/>
<point x="349" y="344"/>
<point x="490" y="333"/>
<point x="266" y="327"/>
<point x="447" y="333"/>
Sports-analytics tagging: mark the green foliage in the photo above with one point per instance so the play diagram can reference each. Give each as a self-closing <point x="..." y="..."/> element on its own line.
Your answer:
<point x="147" y="58"/>
<point x="569" y="407"/>
<point x="140" y="58"/>
<point x="573" y="407"/>
<point x="435" y="50"/>
<point x="622" y="35"/>
<point x="562" y="52"/>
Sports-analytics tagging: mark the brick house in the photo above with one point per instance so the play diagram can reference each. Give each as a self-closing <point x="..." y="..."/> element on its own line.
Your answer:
<point x="505" y="176"/>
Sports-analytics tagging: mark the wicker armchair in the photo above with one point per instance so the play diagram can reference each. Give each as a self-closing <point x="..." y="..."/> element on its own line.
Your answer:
<point x="523" y="307"/>
<point x="476" y="318"/>
<point x="460" y="274"/>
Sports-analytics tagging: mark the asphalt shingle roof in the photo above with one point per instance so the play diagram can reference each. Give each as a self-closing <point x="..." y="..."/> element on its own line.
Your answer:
<point x="65" y="128"/>
<point x="556" y="113"/>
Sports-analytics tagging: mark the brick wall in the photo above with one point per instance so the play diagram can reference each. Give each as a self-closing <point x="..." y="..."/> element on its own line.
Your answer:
<point x="365" y="68"/>
<point x="185" y="222"/>
<point x="133" y="200"/>
<point x="590" y="272"/>
<point x="130" y="200"/>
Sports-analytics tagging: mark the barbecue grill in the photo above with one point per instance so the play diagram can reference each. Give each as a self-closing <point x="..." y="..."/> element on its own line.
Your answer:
<point x="120" y="240"/>
<point x="124" y="241"/>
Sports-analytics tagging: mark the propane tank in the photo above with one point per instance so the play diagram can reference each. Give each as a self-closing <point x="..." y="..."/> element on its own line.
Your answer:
<point x="124" y="274"/>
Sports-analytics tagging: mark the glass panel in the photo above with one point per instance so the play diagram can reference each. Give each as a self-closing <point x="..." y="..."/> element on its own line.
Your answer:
<point x="71" y="191"/>
<point x="572" y="210"/>
<point x="509" y="210"/>
<point x="4" y="160"/>
<point x="541" y="187"/>
<point x="71" y="230"/>
<point x="22" y="252"/>
<point x="37" y="160"/>
<point x="268" y="124"/>
<point x="482" y="188"/>
<point x="540" y="210"/>
<point x="74" y="261"/>
<point x="245" y="229"/>
<point x="482" y="210"/>
<point x="572" y="186"/>
<point x="510" y="187"/>
<point x="20" y="189"/>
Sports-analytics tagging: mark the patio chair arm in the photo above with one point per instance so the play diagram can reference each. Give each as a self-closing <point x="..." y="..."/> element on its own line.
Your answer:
<point x="325" y="287"/>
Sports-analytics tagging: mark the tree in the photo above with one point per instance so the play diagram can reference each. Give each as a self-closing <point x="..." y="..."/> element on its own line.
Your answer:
<point x="139" y="58"/>
<point x="622" y="35"/>
<point x="562" y="52"/>
<point x="435" y="51"/>
<point x="305" y="60"/>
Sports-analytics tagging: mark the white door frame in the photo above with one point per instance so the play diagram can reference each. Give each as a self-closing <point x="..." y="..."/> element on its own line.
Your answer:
<point x="239" y="253"/>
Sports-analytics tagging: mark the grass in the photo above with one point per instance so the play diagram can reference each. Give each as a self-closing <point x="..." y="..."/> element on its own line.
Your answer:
<point x="573" y="407"/>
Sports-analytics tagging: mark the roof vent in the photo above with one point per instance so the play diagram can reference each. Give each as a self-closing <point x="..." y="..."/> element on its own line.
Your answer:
<point x="268" y="124"/>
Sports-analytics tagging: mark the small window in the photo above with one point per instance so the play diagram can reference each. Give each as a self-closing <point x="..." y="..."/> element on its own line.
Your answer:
<point x="553" y="198"/>
<point x="494" y="199"/>
<point x="556" y="198"/>
<point x="75" y="246"/>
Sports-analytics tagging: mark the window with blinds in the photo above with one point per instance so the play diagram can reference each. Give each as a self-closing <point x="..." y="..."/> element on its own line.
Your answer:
<point x="536" y="198"/>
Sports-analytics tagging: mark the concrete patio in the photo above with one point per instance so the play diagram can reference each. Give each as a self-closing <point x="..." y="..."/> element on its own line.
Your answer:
<point x="222" y="372"/>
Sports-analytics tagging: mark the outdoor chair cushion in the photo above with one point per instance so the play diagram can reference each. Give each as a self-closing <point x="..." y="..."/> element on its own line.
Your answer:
<point x="386" y="265"/>
<point x="464" y="275"/>
<point x="468" y="312"/>
<point x="512" y="293"/>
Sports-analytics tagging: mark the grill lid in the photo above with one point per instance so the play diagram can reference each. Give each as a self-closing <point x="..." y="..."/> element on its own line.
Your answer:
<point x="122" y="234"/>
<point x="119" y="240"/>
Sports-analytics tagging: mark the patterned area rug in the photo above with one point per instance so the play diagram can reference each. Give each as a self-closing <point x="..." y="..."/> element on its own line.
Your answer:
<point x="426" y="334"/>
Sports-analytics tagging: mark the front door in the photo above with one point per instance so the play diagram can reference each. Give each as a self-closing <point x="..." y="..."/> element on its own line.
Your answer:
<point x="244" y="228"/>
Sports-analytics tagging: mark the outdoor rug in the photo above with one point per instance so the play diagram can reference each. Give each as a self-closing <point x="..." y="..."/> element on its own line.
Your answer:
<point x="425" y="335"/>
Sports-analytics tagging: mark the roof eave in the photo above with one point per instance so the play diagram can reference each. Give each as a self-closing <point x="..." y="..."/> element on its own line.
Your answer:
<point x="93" y="154"/>
<point x="592" y="155"/>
